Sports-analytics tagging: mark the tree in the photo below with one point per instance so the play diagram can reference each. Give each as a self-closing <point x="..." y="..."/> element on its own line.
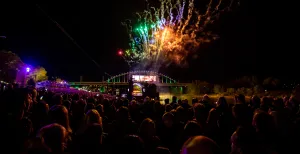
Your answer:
<point x="10" y="60"/>
<point x="217" y="89"/>
<point x="258" y="89"/>
<point x="254" y="81"/>
<point x="240" y="91"/>
<point x="271" y="83"/>
<point x="40" y="74"/>
<point x="267" y="81"/>
<point x="275" y="82"/>
<point x="249" y="91"/>
<point x="245" y="81"/>
<point x="230" y="91"/>
<point x="10" y="63"/>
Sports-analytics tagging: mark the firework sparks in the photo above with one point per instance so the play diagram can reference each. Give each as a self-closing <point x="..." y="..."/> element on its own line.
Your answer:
<point x="171" y="33"/>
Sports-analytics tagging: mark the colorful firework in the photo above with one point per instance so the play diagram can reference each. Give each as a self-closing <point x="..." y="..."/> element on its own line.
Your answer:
<point x="170" y="33"/>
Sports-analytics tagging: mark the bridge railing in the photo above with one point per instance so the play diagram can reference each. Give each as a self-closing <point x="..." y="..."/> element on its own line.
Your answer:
<point x="124" y="77"/>
<point x="122" y="83"/>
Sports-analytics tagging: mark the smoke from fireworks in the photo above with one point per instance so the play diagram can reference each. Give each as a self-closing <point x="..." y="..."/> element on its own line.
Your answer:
<point x="170" y="33"/>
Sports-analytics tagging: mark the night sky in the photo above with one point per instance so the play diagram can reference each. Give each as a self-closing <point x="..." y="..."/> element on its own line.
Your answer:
<point x="97" y="29"/>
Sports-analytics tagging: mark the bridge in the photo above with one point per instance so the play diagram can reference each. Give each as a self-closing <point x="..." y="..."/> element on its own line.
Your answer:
<point x="123" y="84"/>
<point x="123" y="79"/>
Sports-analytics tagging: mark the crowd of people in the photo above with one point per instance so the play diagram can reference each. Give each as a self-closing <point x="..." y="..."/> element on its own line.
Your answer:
<point x="50" y="122"/>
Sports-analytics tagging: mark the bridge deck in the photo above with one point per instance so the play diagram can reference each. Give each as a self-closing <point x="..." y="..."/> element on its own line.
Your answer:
<point x="122" y="84"/>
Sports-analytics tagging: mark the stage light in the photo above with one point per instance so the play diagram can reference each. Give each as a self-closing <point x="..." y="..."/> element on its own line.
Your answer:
<point x="27" y="69"/>
<point x="120" y="52"/>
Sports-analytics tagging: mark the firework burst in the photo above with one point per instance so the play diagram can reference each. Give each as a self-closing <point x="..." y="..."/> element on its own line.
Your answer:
<point x="170" y="33"/>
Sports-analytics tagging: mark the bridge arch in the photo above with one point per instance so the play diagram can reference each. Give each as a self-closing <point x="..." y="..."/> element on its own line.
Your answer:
<point x="124" y="77"/>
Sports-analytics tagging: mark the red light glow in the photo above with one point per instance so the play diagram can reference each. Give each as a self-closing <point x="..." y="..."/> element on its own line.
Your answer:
<point x="120" y="52"/>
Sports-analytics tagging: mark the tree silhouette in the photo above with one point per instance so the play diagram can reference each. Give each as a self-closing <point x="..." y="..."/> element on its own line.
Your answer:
<point x="217" y="89"/>
<point x="258" y="89"/>
<point x="271" y="83"/>
<point x="245" y="81"/>
<point x="10" y="63"/>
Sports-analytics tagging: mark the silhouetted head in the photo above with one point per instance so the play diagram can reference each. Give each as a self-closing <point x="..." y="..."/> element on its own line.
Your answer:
<point x="240" y="99"/>
<point x="192" y="128"/>
<point x="147" y="128"/>
<point x="200" y="145"/>
<point x="222" y="103"/>
<point x="168" y="119"/>
<point x="59" y="114"/>
<point x="92" y="116"/>
<point x="122" y="113"/>
<point x="132" y="144"/>
<point x="53" y="137"/>
<point x="162" y="150"/>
